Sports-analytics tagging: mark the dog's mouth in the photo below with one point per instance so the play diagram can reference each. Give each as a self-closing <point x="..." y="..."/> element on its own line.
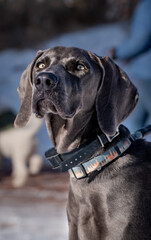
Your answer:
<point x="45" y="106"/>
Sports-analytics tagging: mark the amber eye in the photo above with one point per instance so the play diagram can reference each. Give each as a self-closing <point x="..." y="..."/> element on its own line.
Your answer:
<point x="80" y="67"/>
<point x="41" y="65"/>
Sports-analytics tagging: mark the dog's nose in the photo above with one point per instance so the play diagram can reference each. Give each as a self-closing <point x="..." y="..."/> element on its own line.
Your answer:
<point x="45" y="81"/>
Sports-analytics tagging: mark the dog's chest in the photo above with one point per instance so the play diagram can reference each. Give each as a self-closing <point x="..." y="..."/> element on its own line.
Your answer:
<point x="101" y="207"/>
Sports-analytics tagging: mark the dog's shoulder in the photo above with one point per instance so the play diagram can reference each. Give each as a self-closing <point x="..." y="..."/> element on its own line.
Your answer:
<point x="137" y="170"/>
<point x="141" y="151"/>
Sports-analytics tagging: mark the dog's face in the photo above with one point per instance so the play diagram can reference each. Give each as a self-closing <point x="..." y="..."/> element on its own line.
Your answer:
<point x="68" y="86"/>
<point x="65" y="81"/>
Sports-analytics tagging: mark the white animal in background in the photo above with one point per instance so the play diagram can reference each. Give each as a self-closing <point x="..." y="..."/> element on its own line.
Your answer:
<point x="21" y="146"/>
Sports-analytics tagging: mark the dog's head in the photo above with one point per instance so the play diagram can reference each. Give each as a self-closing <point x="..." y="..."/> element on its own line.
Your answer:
<point x="70" y="83"/>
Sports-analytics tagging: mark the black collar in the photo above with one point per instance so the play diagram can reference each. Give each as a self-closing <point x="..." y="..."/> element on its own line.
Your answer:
<point x="73" y="160"/>
<point x="78" y="155"/>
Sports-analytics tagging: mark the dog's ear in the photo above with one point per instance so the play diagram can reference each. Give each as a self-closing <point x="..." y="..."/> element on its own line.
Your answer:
<point x="25" y="94"/>
<point x="116" y="97"/>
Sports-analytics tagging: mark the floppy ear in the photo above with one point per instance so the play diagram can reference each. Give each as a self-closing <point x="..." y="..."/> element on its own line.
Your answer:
<point x="116" y="97"/>
<point x="25" y="94"/>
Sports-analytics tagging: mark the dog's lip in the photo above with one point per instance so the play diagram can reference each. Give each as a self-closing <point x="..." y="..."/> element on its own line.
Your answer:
<point x="66" y="116"/>
<point x="43" y="106"/>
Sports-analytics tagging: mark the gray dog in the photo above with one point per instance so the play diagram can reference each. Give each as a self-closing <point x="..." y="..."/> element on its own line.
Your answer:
<point x="83" y="96"/>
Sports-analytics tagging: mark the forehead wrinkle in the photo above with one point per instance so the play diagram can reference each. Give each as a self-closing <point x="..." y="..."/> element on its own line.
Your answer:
<point x="68" y="59"/>
<point x="64" y="55"/>
<point x="53" y="60"/>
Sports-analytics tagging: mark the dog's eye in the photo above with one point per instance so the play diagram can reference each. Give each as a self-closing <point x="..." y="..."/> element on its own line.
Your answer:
<point x="41" y="65"/>
<point x="80" y="67"/>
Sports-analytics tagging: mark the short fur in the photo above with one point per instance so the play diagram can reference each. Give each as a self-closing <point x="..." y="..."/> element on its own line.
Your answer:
<point x="82" y="95"/>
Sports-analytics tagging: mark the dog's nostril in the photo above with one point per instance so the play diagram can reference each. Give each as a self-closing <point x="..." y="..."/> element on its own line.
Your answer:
<point x="38" y="82"/>
<point x="48" y="82"/>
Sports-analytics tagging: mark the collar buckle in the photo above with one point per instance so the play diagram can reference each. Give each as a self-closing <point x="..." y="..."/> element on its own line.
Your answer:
<point x="110" y="138"/>
<point x="103" y="138"/>
<point x="78" y="172"/>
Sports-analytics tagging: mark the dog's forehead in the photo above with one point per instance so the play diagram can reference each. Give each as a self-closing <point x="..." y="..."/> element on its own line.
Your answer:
<point x="64" y="54"/>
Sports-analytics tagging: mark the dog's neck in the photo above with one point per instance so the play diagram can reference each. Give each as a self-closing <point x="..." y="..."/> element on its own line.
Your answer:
<point x="68" y="134"/>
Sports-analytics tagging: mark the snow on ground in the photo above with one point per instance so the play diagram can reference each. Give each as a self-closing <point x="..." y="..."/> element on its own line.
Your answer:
<point x="97" y="39"/>
<point x="34" y="221"/>
<point x="35" y="212"/>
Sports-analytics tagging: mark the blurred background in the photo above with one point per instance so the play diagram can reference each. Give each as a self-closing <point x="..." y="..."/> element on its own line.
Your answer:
<point x="26" y="23"/>
<point x="32" y="197"/>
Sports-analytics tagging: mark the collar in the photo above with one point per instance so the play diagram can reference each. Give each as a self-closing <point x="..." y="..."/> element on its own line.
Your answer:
<point x="69" y="160"/>
<point x="84" y="169"/>
<point x="76" y="163"/>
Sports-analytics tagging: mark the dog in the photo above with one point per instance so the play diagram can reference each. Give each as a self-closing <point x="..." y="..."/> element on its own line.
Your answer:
<point x="82" y="96"/>
<point x="21" y="145"/>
